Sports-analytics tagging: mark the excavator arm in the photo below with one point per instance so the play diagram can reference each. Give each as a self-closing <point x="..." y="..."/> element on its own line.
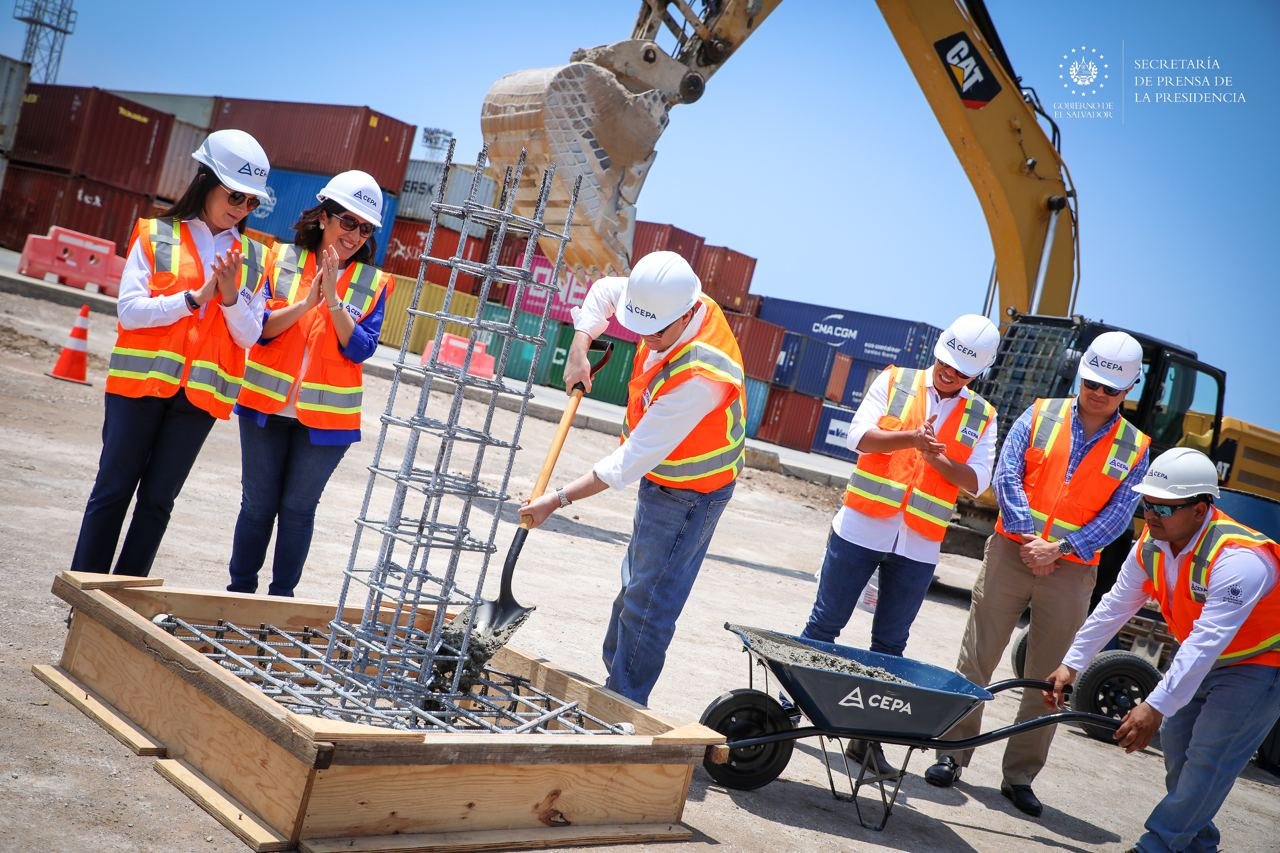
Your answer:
<point x="600" y="116"/>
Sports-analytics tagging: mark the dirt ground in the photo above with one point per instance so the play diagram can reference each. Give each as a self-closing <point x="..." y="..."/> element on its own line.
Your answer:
<point x="65" y="784"/>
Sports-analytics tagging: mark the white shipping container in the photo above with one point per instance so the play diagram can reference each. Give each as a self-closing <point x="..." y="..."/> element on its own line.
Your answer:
<point x="14" y="75"/>
<point x="422" y="182"/>
<point x="193" y="109"/>
<point x="178" y="168"/>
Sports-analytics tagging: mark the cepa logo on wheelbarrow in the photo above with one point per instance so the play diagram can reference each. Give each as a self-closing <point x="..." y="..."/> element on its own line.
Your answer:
<point x="883" y="701"/>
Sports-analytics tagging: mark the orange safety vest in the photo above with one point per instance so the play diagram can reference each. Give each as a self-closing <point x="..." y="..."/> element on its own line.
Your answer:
<point x="332" y="387"/>
<point x="1058" y="507"/>
<point x="1258" y="640"/>
<point x="713" y="453"/>
<point x="195" y="352"/>
<point x="885" y="484"/>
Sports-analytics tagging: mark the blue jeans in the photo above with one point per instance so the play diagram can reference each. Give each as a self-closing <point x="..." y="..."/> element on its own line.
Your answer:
<point x="669" y="538"/>
<point x="1206" y="744"/>
<point x="845" y="571"/>
<point x="282" y="477"/>
<point x="148" y="446"/>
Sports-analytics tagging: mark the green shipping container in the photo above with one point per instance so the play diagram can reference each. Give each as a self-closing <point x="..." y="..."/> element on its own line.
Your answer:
<point x="520" y="359"/>
<point x="610" y="384"/>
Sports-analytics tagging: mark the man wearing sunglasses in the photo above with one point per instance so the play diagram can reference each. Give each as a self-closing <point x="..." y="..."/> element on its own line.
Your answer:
<point x="1216" y="583"/>
<point x="1062" y="485"/>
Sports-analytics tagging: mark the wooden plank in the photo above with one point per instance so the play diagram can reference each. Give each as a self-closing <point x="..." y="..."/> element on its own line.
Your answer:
<point x="385" y="800"/>
<point x="234" y="816"/>
<point x="443" y="748"/>
<point x="319" y="728"/>
<point x="119" y="726"/>
<point x="694" y="734"/>
<point x="95" y="580"/>
<point x="239" y="758"/>
<point x="502" y="839"/>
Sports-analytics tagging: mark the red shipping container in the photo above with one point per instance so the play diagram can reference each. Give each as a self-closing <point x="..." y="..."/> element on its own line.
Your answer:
<point x="33" y="200"/>
<point x="323" y="138"/>
<point x="839" y="377"/>
<point x="86" y="131"/>
<point x="725" y="275"/>
<point x="404" y="253"/>
<point x="658" y="237"/>
<point x="751" y="306"/>
<point x="759" y="342"/>
<point x="790" y="419"/>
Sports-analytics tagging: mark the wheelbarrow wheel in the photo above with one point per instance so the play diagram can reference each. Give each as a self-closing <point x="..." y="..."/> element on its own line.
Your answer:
<point x="1114" y="683"/>
<point x="1018" y="653"/>
<point x="741" y="714"/>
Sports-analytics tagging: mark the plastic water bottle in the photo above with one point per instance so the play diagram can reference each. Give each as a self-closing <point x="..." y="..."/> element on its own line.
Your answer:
<point x="870" y="593"/>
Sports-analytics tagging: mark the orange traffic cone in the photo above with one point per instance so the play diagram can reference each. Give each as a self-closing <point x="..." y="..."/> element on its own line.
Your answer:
<point x="73" y="360"/>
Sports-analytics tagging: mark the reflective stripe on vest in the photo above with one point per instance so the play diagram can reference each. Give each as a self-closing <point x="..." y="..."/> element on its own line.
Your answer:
<point x="265" y="380"/>
<point x="312" y="396"/>
<point x="902" y="392"/>
<point x="166" y="242"/>
<point x="1058" y="530"/>
<point x="144" y="364"/>
<point x="1124" y="452"/>
<point x="1048" y="425"/>
<point x="1151" y="560"/>
<point x="876" y="488"/>
<point x="208" y="376"/>
<point x="361" y="291"/>
<point x="700" y="353"/>
<point x="251" y="264"/>
<point x="290" y="262"/>
<point x="730" y="457"/>
<point x="1216" y="536"/>
<point x="977" y="414"/>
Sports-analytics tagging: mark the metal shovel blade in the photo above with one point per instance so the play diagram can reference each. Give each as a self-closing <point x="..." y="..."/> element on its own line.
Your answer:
<point x="490" y="623"/>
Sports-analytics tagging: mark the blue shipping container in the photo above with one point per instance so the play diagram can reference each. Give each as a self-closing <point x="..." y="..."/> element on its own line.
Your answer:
<point x="293" y="192"/>
<point x="832" y="437"/>
<point x="757" y="398"/>
<point x="784" y="374"/>
<point x="814" y="368"/>
<point x="868" y="336"/>
<point x="861" y="374"/>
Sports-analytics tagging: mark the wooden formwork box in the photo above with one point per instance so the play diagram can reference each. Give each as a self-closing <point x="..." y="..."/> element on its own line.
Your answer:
<point x="280" y="780"/>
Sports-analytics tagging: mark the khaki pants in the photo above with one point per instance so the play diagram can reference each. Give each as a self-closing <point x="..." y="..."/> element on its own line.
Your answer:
<point x="1059" y="604"/>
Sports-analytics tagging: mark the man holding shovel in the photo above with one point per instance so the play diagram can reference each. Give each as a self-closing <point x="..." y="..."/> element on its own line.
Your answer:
<point x="683" y="440"/>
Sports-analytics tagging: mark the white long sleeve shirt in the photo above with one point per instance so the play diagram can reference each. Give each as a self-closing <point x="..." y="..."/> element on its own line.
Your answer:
<point x="138" y="309"/>
<point x="892" y="535"/>
<point x="671" y="417"/>
<point x="1238" y="581"/>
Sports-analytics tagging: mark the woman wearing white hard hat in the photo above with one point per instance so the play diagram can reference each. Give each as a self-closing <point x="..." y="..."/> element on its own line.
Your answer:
<point x="190" y="302"/>
<point x="921" y="437"/>
<point x="1217" y="583"/>
<point x="300" y="407"/>
<point x="684" y="444"/>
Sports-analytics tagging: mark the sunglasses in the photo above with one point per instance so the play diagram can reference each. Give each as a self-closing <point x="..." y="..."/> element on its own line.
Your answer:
<point x="1098" y="386"/>
<point x="1165" y="510"/>
<point x="238" y="199"/>
<point x="963" y="377"/>
<point x="351" y="223"/>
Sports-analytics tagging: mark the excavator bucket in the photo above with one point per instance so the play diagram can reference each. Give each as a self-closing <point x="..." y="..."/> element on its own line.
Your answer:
<point x="581" y="120"/>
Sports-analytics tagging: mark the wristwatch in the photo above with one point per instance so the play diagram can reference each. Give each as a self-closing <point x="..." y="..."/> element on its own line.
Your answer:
<point x="191" y="301"/>
<point x="1064" y="548"/>
<point x="564" y="499"/>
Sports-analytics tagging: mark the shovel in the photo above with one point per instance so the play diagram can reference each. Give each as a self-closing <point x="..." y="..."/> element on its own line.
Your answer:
<point x="493" y="622"/>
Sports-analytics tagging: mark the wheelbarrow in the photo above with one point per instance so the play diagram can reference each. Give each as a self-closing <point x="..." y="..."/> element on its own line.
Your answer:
<point x="849" y="693"/>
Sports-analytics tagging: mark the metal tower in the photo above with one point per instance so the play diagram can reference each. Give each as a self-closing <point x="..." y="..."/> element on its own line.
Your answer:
<point x="49" y="22"/>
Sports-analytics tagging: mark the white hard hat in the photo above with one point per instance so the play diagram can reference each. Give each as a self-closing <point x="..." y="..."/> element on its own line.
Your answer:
<point x="660" y="288"/>
<point x="968" y="344"/>
<point x="358" y="192"/>
<point x="1180" y="473"/>
<point x="238" y="161"/>
<point x="1114" y="359"/>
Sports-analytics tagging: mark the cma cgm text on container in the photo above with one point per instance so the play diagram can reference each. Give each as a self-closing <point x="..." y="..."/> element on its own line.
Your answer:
<point x="865" y="336"/>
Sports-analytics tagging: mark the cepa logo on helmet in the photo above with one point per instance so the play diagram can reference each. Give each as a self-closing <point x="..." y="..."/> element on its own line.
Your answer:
<point x="639" y="311"/>
<point x="361" y="195"/>
<point x="252" y="170"/>
<point x="1104" y="364"/>
<point x="961" y="348"/>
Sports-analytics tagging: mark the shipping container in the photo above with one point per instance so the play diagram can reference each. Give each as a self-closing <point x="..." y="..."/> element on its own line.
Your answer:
<point x="293" y="192"/>
<point x="660" y="237"/>
<point x="521" y="354"/>
<point x="839" y="377"/>
<point x="32" y="200"/>
<point x="861" y="374"/>
<point x="14" y="75"/>
<point x="422" y="183"/>
<point x="610" y="384"/>
<point x="832" y="437"/>
<point x="759" y="342"/>
<point x="85" y="131"/>
<point x="751" y="307"/>
<point x="814" y="368"/>
<point x="726" y="275"/>
<point x="193" y="109"/>
<point x="404" y="253"/>
<point x="179" y="167"/>
<point x="790" y="419"/>
<point x="757" y="402"/>
<point x="325" y="138"/>
<point x="395" y="316"/>
<point x="570" y="295"/>
<point x="784" y="371"/>
<point x="865" y="336"/>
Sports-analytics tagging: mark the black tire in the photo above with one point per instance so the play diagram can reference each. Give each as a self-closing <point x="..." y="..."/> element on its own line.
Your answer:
<point x="1018" y="653"/>
<point x="741" y="714"/>
<point x="1114" y="683"/>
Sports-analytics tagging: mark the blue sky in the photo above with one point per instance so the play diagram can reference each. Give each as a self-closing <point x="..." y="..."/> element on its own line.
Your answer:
<point x="815" y="151"/>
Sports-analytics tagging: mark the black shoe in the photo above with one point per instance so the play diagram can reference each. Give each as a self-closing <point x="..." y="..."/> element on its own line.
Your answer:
<point x="943" y="774"/>
<point x="1023" y="798"/>
<point x="878" y="765"/>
